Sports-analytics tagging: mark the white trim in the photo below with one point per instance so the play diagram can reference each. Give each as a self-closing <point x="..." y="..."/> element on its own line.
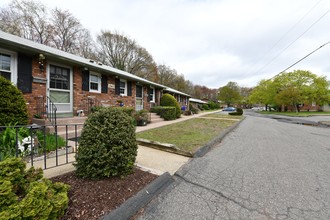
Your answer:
<point x="153" y="94"/>
<point x="13" y="64"/>
<point x="139" y="107"/>
<point x="99" y="82"/>
<point x="125" y="92"/>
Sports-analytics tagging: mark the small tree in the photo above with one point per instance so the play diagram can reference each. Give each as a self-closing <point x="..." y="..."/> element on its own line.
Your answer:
<point x="230" y="93"/>
<point x="169" y="100"/>
<point x="13" y="108"/>
<point x="107" y="146"/>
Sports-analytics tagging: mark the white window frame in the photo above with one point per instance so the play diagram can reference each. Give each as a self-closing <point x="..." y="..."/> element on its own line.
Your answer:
<point x="13" y="64"/>
<point x="98" y="82"/>
<point x="125" y="89"/>
<point x="153" y="94"/>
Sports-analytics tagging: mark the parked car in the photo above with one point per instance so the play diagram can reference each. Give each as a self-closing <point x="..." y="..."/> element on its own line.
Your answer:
<point x="229" y="109"/>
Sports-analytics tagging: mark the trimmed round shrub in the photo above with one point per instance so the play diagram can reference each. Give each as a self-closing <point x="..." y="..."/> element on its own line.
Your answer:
<point x="239" y="111"/>
<point x="169" y="100"/>
<point x="107" y="146"/>
<point x="26" y="195"/>
<point x="168" y="113"/>
<point x="13" y="108"/>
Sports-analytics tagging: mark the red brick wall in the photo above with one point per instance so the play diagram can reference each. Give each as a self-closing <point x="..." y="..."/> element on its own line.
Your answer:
<point x="106" y="99"/>
<point x="38" y="89"/>
<point x="79" y="96"/>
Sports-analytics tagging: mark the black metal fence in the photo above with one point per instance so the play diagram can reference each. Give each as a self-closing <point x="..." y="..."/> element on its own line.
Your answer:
<point x="44" y="146"/>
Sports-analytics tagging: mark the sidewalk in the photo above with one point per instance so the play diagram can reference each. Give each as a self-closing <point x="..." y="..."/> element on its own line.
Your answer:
<point x="152" y="160"/>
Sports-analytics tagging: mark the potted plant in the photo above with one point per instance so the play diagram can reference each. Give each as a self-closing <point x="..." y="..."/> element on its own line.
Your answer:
<point x="120" y="103"/>
<point x="141" y="117"/>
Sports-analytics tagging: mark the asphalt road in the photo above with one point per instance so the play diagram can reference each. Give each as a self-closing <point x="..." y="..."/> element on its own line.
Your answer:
<point x="264" y="169"/>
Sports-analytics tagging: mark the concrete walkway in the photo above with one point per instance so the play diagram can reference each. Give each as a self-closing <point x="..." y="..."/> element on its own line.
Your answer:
<point x="152" y="160"/>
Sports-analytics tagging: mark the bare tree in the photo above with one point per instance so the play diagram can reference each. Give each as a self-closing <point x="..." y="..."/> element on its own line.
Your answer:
<point x="125" y="54"/>
<point x="59" y="29"/>
<point x="66" y="30"/>
<point x="28" y="19"/>
<point x="69" y="35"/>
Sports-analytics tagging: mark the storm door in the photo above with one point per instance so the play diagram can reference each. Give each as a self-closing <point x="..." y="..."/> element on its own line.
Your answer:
<point x="60" y="88"/>
<point x="139" y="98"/>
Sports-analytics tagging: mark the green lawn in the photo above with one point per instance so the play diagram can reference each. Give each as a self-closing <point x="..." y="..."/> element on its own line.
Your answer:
<point x="188" y="135"/>
<point x="223" y="116"/>
<point x="297" y="114"/>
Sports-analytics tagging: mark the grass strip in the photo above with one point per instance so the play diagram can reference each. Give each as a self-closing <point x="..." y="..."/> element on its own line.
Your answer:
<point x="188" y="135"/>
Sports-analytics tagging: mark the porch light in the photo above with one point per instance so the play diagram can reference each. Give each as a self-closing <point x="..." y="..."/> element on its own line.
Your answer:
<point x="41" y="62"/>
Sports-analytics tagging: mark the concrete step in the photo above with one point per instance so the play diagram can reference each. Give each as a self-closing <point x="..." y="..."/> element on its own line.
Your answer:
<point x="72" y="120"/>
<point x="155" y="118"/>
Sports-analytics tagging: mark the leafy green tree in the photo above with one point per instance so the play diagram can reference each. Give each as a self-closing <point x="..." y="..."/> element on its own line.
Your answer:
<point x="263" y="93"/>
<point x="299" y="87"/>
<point x="230" y="93"/>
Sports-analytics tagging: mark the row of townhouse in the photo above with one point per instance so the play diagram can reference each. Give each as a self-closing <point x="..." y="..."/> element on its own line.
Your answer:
<point x="72" y="82"/>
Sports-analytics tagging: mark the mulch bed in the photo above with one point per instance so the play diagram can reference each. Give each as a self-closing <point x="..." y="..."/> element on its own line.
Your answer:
<point x="91" y="199"/>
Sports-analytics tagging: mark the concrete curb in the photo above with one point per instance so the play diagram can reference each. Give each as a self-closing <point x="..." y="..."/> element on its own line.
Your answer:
<point x="206" y="148"/>
<point x="141" y="199"/>
<point x="171" y="148"/>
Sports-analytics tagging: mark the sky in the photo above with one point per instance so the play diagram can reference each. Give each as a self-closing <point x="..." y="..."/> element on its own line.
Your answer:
<point x="212" y="42"/>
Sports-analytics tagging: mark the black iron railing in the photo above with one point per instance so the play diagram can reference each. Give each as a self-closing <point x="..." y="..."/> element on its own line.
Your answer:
<point x="38" y="147"/>
<point x="51" y="110"/>
<point x="88" y="104"/>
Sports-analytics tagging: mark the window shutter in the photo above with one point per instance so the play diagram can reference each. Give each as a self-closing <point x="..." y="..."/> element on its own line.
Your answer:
<point x="156" y="95"/>
<point x="85" y="80"/>
<point x="129" y="88"/>
<point x="24" y="73"/>
<point x="104" y="84"/>
<point x="117" y="86"/>
<point x="149" y="92"/>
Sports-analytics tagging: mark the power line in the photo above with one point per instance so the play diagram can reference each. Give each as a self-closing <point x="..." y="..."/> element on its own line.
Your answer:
<point x="284" y="35"/>
<point x="294" y="40"/>
<point x="292" y="28"/>
<point x="301" y="59"/>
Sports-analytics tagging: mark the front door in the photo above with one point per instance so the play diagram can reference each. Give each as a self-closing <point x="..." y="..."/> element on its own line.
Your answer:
<point x="139" y="98"/>
<point x="60" y="87"/>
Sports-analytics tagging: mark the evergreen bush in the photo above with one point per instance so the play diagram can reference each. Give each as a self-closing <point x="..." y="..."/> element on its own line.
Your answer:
<point x="107" y="146"/>
<point x="205" y="107"/>
<point x="156" y="109"/>
<point x="168" y="113"/>
<point x="26" y="195"/>
<point x="13" y="108"/>
<point x="169" y="100"/>
<point x="193" y="109"/>
<point x="239" y="111"/>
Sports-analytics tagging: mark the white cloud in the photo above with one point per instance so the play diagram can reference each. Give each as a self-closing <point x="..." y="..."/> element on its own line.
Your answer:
<point x="212" y="42"/>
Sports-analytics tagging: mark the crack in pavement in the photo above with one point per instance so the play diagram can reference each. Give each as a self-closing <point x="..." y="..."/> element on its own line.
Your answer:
<point x="223" y="196"/>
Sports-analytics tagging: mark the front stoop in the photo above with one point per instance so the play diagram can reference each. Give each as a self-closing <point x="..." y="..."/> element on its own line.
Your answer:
<point x="66" y="127"/>
<point x="154" y="118"/>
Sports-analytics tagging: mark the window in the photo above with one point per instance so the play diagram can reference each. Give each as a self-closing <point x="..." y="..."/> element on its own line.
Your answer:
<point x="59" y="77"/>
<point x="139" y="92"/>
<point x="179" y="98"/>
<point x="123" y="87"/>
<point x="152" y="95"/>
<point x="94" y="82"/>
<point x="8" y="65"/>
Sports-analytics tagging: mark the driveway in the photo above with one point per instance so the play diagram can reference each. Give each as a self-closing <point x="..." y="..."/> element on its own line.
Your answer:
<point x="265" y="169"/>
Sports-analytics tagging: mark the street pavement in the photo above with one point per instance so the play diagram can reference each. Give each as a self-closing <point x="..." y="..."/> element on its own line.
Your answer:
<point x="264" y="169"/>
